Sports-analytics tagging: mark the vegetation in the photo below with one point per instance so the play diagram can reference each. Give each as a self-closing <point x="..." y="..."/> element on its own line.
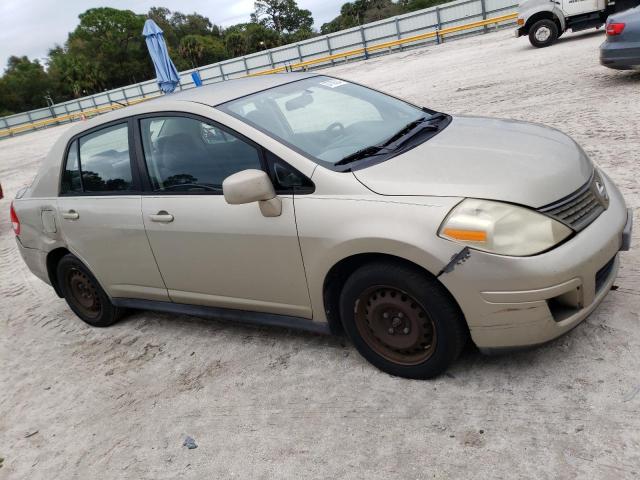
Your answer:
<point x="107" y="50"/>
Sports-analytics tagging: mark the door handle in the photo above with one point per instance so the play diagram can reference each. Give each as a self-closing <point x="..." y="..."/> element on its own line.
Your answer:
<point x="162" y="217"/>
<point x="71" y="215"/>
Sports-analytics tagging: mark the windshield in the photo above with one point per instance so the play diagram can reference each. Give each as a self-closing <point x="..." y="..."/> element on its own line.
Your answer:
<point x="325" y="118"/>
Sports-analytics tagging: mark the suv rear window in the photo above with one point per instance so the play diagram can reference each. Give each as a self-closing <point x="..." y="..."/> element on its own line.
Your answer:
<point x="99" y="162"/>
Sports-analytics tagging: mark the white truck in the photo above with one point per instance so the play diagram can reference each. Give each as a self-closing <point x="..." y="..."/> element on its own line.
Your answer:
<point x="544" y="21"/>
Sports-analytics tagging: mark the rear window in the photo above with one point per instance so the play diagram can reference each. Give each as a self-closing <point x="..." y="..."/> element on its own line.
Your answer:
<point x="99" y="162"/>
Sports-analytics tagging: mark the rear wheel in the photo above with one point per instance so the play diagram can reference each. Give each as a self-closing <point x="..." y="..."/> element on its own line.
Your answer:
<point x="402" y="321"/>
<point x="543" y="33"/>
<point x="84" y="295"/>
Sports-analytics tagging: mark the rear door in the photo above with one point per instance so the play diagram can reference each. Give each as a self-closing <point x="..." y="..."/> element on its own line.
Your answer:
<point x="209" y="252"/>
<point x="100" y="208"/>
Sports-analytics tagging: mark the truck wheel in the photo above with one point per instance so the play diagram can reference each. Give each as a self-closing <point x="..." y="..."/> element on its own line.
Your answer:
<point x="401" y="320"/>
<point x="543" y="33"/>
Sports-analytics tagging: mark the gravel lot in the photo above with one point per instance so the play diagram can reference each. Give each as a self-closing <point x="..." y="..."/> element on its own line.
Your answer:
<point x="78" y="402"/>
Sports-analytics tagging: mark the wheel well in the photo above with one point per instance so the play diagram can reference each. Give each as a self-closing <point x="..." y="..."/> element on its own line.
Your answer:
<point x="53" y="257"/>
<point x="541" y="16"/>
<point x="340" y="272"/>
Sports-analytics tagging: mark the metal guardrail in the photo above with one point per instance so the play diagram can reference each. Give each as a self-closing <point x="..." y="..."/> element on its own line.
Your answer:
<point x="440" y="34"/>
<point x="411" y="29"/>
<point x="81" y="115"/>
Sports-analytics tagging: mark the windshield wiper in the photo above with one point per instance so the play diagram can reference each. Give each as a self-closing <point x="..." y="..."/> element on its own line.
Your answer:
<point x="392" y="142"/>
<point x="370" y="151"/>
<point x="409" y="130"/>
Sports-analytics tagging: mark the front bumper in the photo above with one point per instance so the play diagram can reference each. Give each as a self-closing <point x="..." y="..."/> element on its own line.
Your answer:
<point x="514" y="302"/>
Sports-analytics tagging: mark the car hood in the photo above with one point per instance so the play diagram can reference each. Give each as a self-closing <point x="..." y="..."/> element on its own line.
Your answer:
<point x="505" y="160"/>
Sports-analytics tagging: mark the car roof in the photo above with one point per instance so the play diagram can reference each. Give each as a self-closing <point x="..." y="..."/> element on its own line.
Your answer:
<point x="211" y="95"/>
<point x="225" y="91"/>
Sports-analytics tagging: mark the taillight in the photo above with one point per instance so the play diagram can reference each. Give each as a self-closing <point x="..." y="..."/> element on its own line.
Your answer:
<point x="614" y="29"/>
<point x="15" y="222"/>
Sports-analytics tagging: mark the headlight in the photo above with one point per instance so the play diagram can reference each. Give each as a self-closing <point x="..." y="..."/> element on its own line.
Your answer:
<point x="502" y="228"/>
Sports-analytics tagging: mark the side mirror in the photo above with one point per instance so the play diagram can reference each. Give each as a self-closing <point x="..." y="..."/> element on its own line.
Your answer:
<point x="250" y="186"/>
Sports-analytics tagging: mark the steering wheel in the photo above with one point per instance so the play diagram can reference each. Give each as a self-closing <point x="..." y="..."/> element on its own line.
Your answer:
<point x="179" y="186"/>
<point x="336" y="127"/>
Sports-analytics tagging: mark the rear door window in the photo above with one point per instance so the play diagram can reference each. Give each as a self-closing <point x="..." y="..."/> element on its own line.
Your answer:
<point x="99" y="162"/>
<point x="105" y="160"/>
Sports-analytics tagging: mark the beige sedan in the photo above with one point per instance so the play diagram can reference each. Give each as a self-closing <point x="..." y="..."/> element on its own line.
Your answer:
<point x="305" y="201"/>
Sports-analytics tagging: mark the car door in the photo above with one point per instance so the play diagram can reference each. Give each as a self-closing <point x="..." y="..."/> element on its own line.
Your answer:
<point x="209" y="252"/>
<point x="100" y="212"/>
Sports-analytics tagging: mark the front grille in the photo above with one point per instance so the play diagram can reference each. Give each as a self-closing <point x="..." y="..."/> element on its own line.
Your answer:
<point x="582" y="207"/>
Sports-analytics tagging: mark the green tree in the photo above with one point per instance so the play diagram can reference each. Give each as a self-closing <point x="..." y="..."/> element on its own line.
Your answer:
<point x="198" y="50"/>
<point x="245" y="38"/>
<point x="412" y="5"/>
<point x="23" y="86"/>
<point x="234" y="44"/>
<point x="110" y="43"/>
<point x="259" y="37"/>
<point x="282" y="16"/>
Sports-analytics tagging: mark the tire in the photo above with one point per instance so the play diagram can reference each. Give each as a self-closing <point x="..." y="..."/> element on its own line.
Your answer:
<point x="401" y="320"/>
<point x="543" y="33"/>
<point x="84" y="295"/>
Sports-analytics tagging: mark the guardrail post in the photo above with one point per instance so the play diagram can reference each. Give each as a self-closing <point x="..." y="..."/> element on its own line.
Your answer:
<point x="329" y="49"/>
<point x="53" y="115"/>
<point x="141" y="91"/>
<point x="438" y="26"/>
<point x="398" y="36"/>
<point x="246" y="67"/>
<point x="67" y="111"/>
<point x="299" y="52"/>
<point x="30" y="120"/>
<point x="483" y="5"/>
<point x="271" y="59"/>
<point x="6" y="126"/>
<point x="364" y="42"/>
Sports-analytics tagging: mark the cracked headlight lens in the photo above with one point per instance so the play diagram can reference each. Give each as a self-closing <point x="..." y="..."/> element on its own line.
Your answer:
<point x="502" y="228"/>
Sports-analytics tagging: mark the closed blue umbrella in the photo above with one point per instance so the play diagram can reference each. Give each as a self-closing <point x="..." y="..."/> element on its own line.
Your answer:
<point x="165" y="69"/>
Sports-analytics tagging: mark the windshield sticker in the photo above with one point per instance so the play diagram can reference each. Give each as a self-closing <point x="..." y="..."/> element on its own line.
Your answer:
<point x="333" y="83"/>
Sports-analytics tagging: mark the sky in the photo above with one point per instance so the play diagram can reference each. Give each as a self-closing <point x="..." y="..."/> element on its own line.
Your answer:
<point x="32" y="27"/>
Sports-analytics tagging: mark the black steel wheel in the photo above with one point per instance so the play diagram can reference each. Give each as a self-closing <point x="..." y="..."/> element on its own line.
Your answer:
<point x="84" y="295"/>
<point x="395" y="325"/>
<point x="402" y="320"/>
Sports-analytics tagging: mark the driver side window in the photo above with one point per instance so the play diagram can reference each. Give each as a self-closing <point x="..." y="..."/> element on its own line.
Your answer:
<point x="186" y="155"/>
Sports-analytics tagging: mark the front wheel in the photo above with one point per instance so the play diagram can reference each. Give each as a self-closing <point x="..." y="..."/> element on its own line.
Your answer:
<point x="401" y="320"/>
<point x="84" y="295"/>
<point x="543" y="33"/>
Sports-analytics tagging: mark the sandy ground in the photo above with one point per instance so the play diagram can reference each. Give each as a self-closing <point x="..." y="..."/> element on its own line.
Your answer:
<point x="77" y="402"/>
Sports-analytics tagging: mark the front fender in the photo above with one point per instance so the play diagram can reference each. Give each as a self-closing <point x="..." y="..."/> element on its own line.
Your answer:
<point x="332" y="229"/>
<point x="527" y="12"/>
